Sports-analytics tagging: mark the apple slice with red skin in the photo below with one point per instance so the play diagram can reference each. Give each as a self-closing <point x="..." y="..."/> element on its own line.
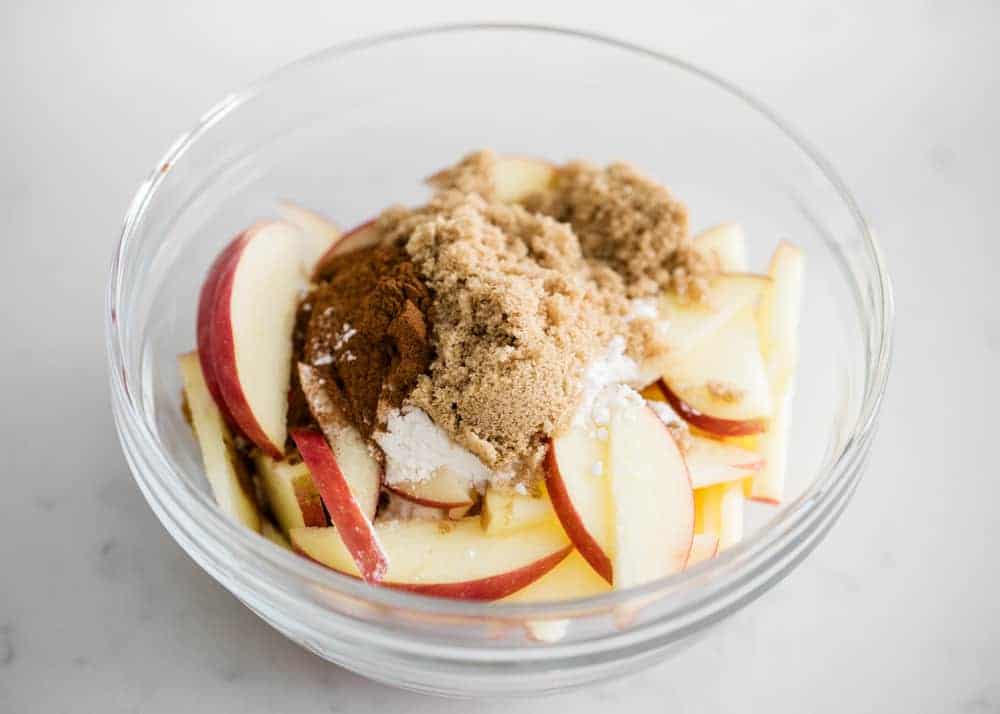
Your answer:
<point x="704" y="546"/>
<point x="444" y="489"/>
<point x="352" y="524"/>
<point x="361" y="236"/>
<point x="355" y="457"/>
<point x="721" y="385"/>
<point x="250" y="331"/>
<point x="447" y="559"/>
<point x="580" y="498"/>
<point x="711" y="461"/>
<point x="506" y="511"/>
<point x="319" y="232"/>
<point x="226" y="476"/>
<point x="204" y="320"/>
<point x="651" y="495"/>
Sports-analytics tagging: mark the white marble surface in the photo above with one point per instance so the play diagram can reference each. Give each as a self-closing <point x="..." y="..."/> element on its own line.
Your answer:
<point x="896" y="612"/>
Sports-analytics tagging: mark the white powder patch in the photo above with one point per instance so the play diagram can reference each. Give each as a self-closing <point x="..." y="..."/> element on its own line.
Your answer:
<point x="322" y="360"/>
<point x="643" y="308"/>
<point x="614" y="367"/>
<point x="597" y="469"/>
<point x="664" y="412"/>
<point x="415" y="447"/>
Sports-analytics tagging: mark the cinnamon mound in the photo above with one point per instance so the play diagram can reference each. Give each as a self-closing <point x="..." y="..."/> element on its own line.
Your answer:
<point x="366" y="331"/>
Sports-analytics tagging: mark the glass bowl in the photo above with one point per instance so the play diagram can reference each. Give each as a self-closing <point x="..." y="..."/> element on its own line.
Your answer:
<point x="356" y="127"/>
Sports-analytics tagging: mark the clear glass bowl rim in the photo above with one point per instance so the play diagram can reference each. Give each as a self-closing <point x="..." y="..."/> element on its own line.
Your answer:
<point x="757" y="562"/>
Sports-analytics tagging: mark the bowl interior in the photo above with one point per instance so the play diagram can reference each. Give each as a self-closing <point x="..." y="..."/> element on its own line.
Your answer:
<point x="348" y="133"/>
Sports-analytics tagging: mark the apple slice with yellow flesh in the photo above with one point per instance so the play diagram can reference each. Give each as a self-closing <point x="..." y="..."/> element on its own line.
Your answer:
<point x="351" y="522"/>
<point x="290" y="492"/>
<point x="572" y="578"/>
<point x="444" y="489"/>
<point x="354" y="456"/>
<point x="226" y="476"/>
<point x="273" y="534"/>
<point x="721" y="385"/>
<point x="726" y="244"/>
<point x="447" y="559"/>
<point x="505" y="511"/>
<point x="365" y="235"/>
<point x="712" y="461"/>
<point x="515" y="178"/>
<point x="704" y="546"/>
<point x="779" y="316"/>
<point x="689" y="322"/>
<point x="651" y="495"/>
<point x="251" y="331"/>
<point x="719" y="512"/>
<point x="319" y="233"/>
<point x="576" y="479"/>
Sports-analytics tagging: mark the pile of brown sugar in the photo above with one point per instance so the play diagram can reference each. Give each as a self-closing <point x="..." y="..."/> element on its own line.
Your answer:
<point x="366" y="331"/>
<point x="485" y="315"/>
<point x="515" y="318"/>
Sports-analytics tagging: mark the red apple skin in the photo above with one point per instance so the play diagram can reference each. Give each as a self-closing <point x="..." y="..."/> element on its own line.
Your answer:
<point x="312" y="509"/>
<point x="352" y="524"/>
<point x="571" y="521"/>
<point x="222" y="351"/>
<point x="707" y="422"/>
<point x="206" y="306"/>
<point x="492" y="588"/>
<point x="342" y="245"/>
<point x="429" y="503"/>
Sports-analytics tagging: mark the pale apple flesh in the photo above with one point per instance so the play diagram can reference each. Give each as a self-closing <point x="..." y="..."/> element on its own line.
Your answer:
<point x="365" y="235"/>
<point x="319" y="233"/>
<point x="354" y="456"/>
<point x="581" y="498"/>
<point x="651" y="493"/>
<point x="444" y="489"/>
<point x="712" y="461"/>
<point x="719" y="512"/>
<point x="514" y="178"/>
<point x="351" y="522"/>
<point x="251" y="328"/>
<point x="226" y="476"/>
<point x="290" y="492"/>
<point x="726" y="245"/>
<point x="704" y="546"/>
<point x="455" y="559"/>
<point x="506" y="511"/>
<point x="780" y="312"/>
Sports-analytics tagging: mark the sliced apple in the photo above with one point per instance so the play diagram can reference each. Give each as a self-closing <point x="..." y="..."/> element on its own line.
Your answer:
<point x="291" y="493"/>
<point x="448" y="559"/>
<point x="712" y="461"/>
<point x="251" y="331"/>
<point x="506" y="511"/>
<point x="576" y="467"/>
<point x="572" y="578"/>
<point x="779" y="319"/>
<point x="355" y="457"/>
<point x="704" y="546"/>
<point x="319" y="233"/>
<point x="227" y="478"/>
<point x="362" y="236"/>
<point x="719" y="511"/>
<point x="515" y="178"/>
<point x="271" y="532"/>
<point x="444" y="489"/>
<point x="651" y="493"/>
<point x="727" y="244"/>
<point x="721" y="385"/>
<point x="351" y="522"/>
<point x="690" y="322"/>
